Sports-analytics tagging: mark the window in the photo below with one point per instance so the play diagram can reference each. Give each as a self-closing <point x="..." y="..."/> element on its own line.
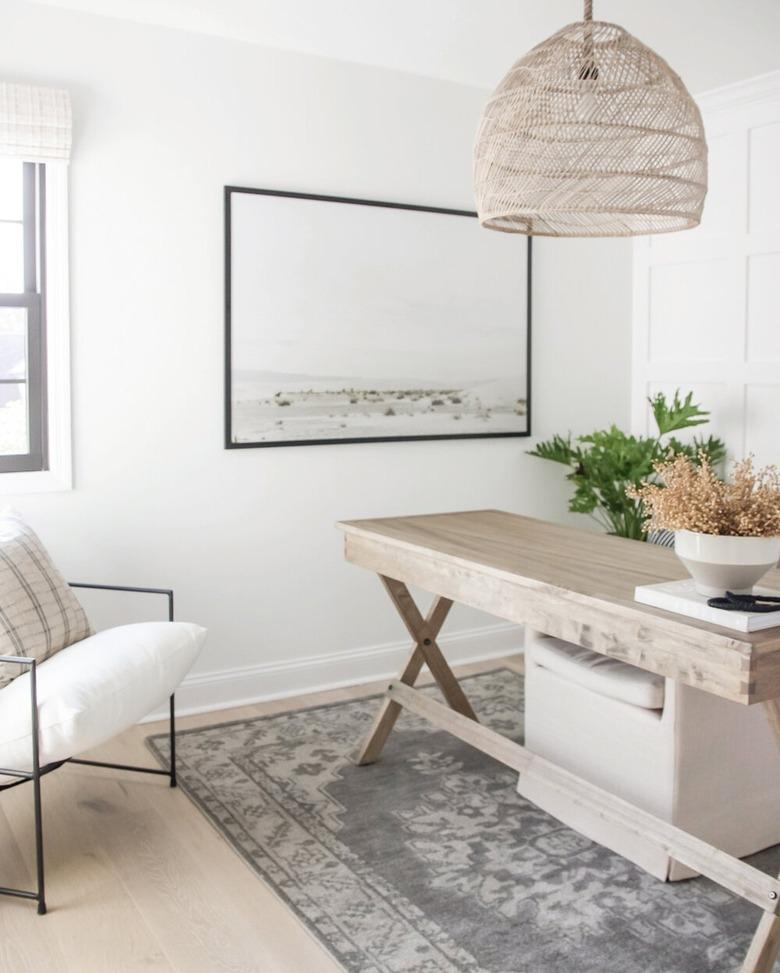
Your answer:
<point x="35" y="143"/>
<point x="22" y="317"/>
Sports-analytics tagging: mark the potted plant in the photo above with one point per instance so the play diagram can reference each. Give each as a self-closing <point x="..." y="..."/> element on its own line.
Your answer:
<point x="607" y="462"/>
<point x="727" y="534"/>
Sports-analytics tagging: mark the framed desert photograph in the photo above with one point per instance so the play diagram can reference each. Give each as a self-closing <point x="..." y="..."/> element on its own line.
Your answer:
<point x="350" y="320"/>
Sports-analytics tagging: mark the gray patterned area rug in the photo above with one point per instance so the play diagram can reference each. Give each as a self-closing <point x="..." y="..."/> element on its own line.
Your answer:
<point x="430" y="862"/>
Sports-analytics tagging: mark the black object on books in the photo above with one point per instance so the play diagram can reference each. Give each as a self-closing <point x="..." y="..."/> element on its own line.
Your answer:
<point x="745" y="603"/>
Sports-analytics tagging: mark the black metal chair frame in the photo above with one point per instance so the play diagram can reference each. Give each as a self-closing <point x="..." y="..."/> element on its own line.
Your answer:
<point x="23" y="776"/>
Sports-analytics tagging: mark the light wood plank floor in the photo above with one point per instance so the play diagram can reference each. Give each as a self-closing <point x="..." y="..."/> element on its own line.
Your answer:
<point x="138" y="880"/>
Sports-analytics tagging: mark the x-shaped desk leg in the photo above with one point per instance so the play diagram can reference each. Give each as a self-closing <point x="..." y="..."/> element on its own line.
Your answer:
<point x="766" y="941"/>
<point x="424" y="631"/>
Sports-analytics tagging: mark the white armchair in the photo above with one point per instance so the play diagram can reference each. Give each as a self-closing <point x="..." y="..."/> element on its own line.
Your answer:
<point x="707" y="765"/>
<point x="83" y="696"/>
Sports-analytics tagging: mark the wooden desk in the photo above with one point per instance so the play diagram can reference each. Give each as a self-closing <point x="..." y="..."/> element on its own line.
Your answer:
<point x="577" y="586"/>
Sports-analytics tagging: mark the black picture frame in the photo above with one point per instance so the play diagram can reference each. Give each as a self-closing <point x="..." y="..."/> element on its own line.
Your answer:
<point x="229" y="191"/>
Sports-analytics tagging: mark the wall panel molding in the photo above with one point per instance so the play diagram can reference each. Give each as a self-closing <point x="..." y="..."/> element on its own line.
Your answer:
<point x="707" y="302"/>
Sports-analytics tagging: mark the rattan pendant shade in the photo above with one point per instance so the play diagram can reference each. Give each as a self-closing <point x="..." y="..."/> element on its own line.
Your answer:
<point x="590" y="134"/>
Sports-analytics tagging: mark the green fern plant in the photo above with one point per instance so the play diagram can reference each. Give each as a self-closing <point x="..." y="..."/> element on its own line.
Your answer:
<point x="606" y="461"/>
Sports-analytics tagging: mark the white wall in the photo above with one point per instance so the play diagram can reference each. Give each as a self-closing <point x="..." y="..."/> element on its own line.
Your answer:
<point x="163" y="120"/>
<point x="707" y="302"/>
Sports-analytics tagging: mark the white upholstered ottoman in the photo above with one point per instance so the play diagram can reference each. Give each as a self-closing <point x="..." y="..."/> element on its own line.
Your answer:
<point x="707" y="765"/>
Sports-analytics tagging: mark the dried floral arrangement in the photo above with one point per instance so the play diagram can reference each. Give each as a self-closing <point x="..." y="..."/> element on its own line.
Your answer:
<point x="691" y="496"/>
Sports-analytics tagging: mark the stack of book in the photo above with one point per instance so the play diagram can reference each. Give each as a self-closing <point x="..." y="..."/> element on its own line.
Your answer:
<point x="683" y="598"/>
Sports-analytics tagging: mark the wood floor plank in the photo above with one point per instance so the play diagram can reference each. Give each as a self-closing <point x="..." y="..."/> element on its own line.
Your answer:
<point x="21" y="948"/>
<point x="171" y="883"/>
<point x="92" y="921"/>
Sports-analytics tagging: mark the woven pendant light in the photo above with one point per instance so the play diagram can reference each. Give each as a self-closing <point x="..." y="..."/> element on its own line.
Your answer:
<point x="590" y="134"/>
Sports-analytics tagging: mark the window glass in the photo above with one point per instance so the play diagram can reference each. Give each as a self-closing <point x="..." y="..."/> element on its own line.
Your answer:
<point x="11" y="258"/>
<point x="14" y="427"/>
<point x="13" y="344"/>
<point x="11" y="180"/>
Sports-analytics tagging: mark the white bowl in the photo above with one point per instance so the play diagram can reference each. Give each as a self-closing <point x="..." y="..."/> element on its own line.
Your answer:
<point x="719" y="563"/>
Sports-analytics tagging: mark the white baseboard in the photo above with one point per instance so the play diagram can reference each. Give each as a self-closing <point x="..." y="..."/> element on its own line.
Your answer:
<point x="203" y="692"/>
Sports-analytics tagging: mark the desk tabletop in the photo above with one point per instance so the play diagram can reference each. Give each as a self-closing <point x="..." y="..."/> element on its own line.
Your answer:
<point x="572" y="583"/>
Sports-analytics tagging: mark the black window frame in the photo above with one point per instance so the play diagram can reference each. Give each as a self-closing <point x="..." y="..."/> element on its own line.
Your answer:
<point x="32" y="298"/>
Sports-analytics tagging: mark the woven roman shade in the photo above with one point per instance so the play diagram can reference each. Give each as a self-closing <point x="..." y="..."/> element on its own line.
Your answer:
<point x="35" y="122"/>
<point x="590" y="134"/>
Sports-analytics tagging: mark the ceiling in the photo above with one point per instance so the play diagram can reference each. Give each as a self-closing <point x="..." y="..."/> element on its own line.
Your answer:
<point x="709" y="42"/>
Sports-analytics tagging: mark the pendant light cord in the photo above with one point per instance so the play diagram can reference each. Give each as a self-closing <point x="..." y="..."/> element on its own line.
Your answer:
<point x="588" y="71"/>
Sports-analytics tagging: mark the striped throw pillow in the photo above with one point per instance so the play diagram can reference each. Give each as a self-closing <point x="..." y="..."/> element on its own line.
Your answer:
<point x="39" y="614"/>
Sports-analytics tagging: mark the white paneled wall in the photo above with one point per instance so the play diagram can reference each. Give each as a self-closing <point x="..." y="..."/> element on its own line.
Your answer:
<point x="707" y="301"/>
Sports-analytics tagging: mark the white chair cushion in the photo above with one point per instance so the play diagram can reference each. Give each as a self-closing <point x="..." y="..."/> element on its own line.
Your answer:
<point x="95" y="689"/>
<point x="599" y="673"/>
